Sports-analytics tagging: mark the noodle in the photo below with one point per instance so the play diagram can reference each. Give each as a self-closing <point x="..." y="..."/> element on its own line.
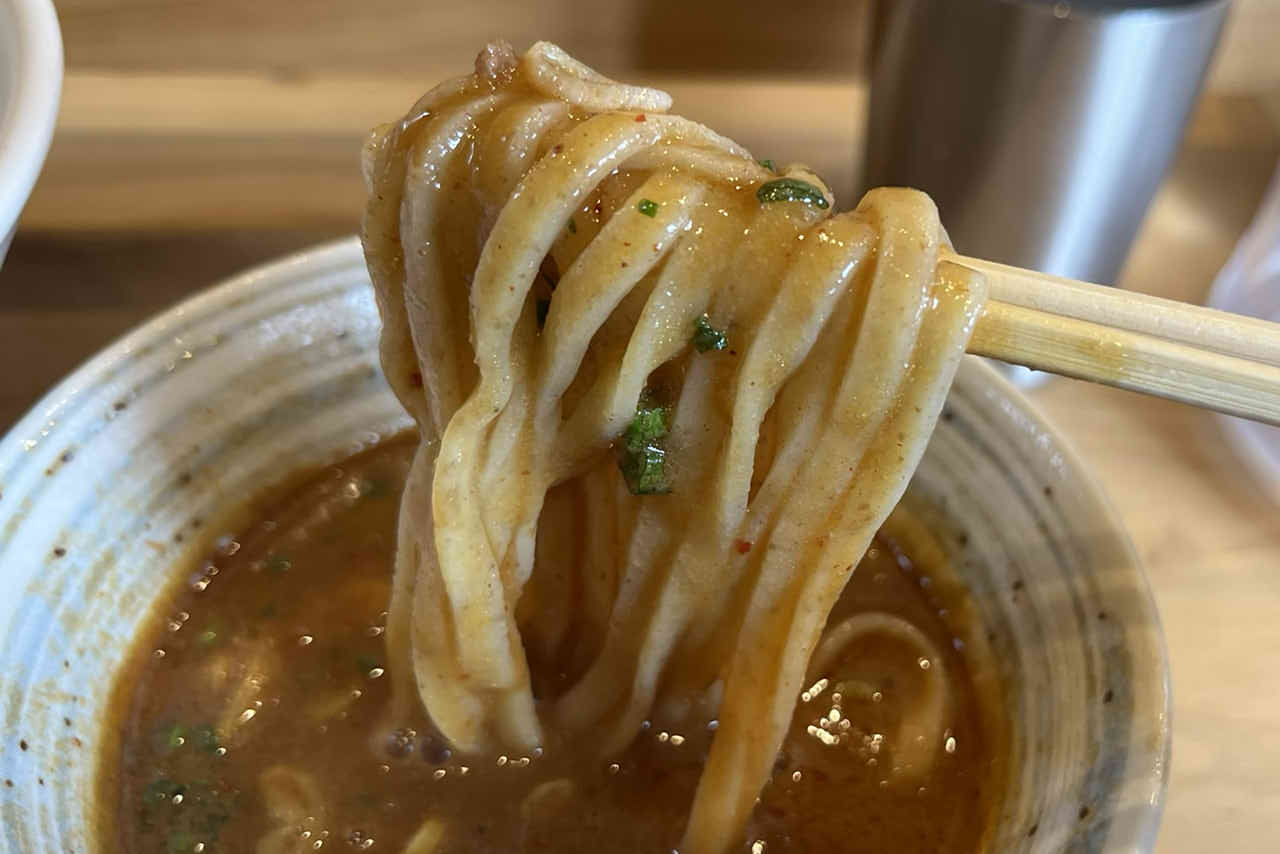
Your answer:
<point x="427" y="838"/>
<point x="915" y="748"/>
<point x="780" y="455"/>
<point x="293" y="801"/>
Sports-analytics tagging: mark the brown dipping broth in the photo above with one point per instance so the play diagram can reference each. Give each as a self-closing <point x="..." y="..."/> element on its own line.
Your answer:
<point x="268" y="654"/>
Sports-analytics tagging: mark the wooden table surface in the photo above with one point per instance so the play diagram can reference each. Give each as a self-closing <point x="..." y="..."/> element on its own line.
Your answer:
<point x="170" y="171"/>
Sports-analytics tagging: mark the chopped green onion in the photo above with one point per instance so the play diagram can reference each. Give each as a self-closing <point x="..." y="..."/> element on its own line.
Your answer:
<point x="207" y="638"/>
<point x="372" y="487"/>
<point x="707" y="337"/>
<point x="643" y="460"/>
<point x="648" y="426"/>
<point x="768" y="164"/>
<point x="648" y="207"/>
<point x="573" y="226"/>
<point x="791" y="190"/>
<point x="279" y="563"/>
<point x="645" y="471"/>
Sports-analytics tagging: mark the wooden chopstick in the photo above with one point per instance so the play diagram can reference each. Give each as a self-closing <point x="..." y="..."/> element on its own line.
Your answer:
<point x="1203" y="328"/>
<point x="1208" y="358"/>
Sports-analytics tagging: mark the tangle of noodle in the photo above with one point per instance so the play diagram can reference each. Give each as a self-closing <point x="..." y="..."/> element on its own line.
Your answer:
<point x="518" y="538"/>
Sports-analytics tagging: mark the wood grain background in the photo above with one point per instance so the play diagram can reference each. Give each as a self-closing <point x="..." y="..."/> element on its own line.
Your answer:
<point x="297" y="37"/>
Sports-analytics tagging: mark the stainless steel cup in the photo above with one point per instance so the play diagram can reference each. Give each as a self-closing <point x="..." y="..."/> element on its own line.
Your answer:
<point x="1041" y="129"/>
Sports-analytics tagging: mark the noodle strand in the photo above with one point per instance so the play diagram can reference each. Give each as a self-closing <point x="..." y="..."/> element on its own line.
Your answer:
<point x="544" y="242"/>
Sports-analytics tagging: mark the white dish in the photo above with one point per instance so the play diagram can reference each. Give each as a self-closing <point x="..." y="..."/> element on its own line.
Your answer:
<point x="277" y="369"/>
<point x="30" y="86"/>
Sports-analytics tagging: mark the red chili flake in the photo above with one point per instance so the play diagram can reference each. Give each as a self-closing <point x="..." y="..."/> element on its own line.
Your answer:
<point x="557" y="148"/>
<point x="415" y="379"/>
<point x="640" y="117"/>
<point x="743" y="546"/>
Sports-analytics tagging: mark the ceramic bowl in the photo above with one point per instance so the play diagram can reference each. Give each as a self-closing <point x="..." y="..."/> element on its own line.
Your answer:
<point x="277" y="369"/>
<point x="30" y="85"/>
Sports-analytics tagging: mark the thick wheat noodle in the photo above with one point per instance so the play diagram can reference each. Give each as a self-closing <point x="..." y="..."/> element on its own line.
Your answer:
<point x="786" y="453"/>
<point x="916" y="743"/>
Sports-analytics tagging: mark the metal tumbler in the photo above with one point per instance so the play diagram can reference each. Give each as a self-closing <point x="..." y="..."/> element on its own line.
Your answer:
<point x="1041" y="129"/>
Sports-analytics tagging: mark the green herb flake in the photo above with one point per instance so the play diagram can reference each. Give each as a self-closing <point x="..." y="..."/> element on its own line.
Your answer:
<point x="707" y="337"/>
<point x="648" y="207"/>
<point x="791" y="190"/>
<point x="645" y="471"/>
<point x="573" y="226"/>
<point x="648" y="426"/>
<point x="768" y="164"/>
<point x="207" y="638"/>
<point x="541" y="307"/>
<point x="643" y="460"/>
<point x="278" y="563"/>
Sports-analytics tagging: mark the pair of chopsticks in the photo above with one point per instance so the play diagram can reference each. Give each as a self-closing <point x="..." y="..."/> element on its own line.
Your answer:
<point x="1208" y="358"/>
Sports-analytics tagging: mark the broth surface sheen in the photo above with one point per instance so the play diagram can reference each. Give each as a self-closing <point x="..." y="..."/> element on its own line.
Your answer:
<point x="254" y="715"/>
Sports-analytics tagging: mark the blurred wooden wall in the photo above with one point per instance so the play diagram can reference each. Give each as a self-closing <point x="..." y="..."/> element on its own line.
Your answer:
<point x="806" y="37"/>
<point x="198" y="137"/>
<point x="746" y="37"/>
<point x="246" y="114"/>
